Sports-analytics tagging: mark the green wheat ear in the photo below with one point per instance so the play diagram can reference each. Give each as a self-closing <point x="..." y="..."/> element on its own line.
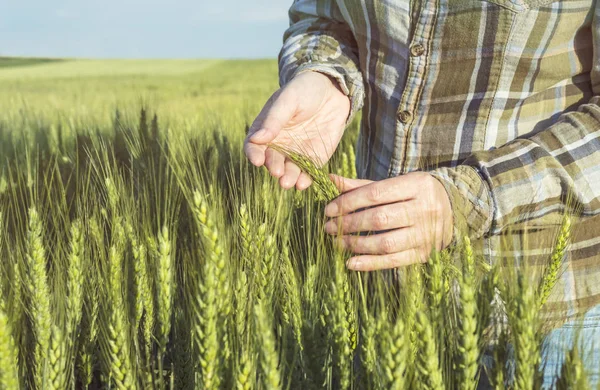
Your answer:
<point x="322" y="184"/>
<point x="551" y="273"/>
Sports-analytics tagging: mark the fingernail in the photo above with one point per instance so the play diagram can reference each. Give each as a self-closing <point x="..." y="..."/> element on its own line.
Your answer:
<point x="259" y="134"/>
<point x="353" y="263"/>
<point x="331" y="210"/>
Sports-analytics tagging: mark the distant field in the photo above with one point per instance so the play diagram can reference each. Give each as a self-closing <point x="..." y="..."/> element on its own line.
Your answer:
<point x="180" y="91"/>
<point x="9" y="62"/>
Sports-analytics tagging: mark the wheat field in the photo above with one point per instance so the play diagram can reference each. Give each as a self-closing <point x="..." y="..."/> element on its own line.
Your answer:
<point x="140" y="250"/>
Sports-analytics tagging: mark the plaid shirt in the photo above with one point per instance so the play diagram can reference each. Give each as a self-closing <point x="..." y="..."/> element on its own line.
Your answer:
<point x="496" y="98"/>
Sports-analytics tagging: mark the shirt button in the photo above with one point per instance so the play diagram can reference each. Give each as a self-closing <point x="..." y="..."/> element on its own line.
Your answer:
<point x="417" y="50"/>
<point x="404" y="116"/>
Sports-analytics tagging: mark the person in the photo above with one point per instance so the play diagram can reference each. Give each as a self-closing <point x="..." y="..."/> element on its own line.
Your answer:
<point x="478" y="118"/>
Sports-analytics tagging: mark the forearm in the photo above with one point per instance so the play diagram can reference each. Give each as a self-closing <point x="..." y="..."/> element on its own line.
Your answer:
<point x="531" y="179"/>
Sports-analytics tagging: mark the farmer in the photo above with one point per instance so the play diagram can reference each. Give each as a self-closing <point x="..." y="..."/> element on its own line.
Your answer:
<point x="479" y="118"/>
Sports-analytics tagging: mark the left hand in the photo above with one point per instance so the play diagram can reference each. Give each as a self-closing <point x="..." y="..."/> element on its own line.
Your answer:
<point x="412" y="210"/>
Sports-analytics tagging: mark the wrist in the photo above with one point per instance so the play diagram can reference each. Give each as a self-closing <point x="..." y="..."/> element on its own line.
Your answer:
<point x="470" y="198"/>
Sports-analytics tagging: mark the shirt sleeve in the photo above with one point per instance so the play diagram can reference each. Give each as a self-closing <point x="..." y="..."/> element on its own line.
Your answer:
<point x="535" y="177"/>
<point x="319" y="39"/>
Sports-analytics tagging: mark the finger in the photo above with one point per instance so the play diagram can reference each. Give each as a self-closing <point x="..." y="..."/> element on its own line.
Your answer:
<point x="392" y="216"/>
<point x="394" y="241"/>
<point x="379" y="262"/>
<point x="374" y="194"/>
<point x="274" y="161"/>
<point x="274" y="116"/>
<point x="345" y="184"/>
<point x="290" y="176"/>
<point x="304" y="181"/>
<point x="255" y="153"/>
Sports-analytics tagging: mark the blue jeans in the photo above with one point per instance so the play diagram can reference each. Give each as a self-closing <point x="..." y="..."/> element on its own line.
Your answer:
<point x="557" y="343"/>
<point x="587" y="334"/>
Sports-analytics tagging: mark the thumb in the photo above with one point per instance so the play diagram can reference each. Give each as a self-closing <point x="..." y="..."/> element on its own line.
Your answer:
<point x="275" y="115"/>
<point x="345" y="184"/>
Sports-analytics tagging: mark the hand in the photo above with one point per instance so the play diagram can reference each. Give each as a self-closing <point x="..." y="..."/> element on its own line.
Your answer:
<point x="307" y="115"/>
<point x="412" y="214"/>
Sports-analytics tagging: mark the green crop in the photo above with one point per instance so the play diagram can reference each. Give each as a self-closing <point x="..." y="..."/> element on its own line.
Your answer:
<point x="140" y="250"/>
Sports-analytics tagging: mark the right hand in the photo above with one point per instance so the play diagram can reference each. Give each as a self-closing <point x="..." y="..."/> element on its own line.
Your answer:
<point x="308" y="115"/>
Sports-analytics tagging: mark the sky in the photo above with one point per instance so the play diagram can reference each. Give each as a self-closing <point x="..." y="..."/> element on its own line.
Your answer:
<point x="143" y="28"/>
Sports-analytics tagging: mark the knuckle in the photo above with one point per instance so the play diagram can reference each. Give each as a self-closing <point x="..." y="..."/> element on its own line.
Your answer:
<point x="380" y="220"/>
<point x="356" y="245"/>
<point x="374" y="194"/>
<point x="388" y="245"/>
<point x="351" y="224"/>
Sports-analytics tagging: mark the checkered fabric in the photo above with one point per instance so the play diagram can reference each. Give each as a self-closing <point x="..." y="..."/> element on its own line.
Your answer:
<point x="498" y="99"/>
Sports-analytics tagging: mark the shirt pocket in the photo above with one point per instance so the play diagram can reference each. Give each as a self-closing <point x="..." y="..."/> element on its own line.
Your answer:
<point x="518" y="6"/>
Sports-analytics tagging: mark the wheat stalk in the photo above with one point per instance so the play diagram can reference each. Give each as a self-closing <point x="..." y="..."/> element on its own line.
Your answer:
<point x="414" y="304"/>
<point x="368" y="345"/>
<point x="352" y="162"/>
<point x="396" y="349"/>
<point x="343" y="321"/>
<point x="75" y="278"/>
<point x="147" y="291"/>
<point x="8" y="355"/>
<point x="500" y="354"/>
<point x="523" y="321"/>
<point x="435" y="286"/>
<point x="269" y="362"/>
<point x="245" y="372"/>
<point x="324" y="187"/>
<point x="246" y="238"/>
<point x="428" y="365"/>
<point x="572" y="372"/>
<point x="88" y="335"/>
<point x="115" y="341"/>
<point x="139" y="275"/>
<point x="212" y="300"/>
<point x="550" y="276"/>
<point x="468" y="337"/>
<point x="266" y="270"/>
<point x="241" y="299"/>
<point x="292" y="304"/>
<point x="57" y="361"/>
<point x="164" y="288"/>
<point x="38" y="296"/>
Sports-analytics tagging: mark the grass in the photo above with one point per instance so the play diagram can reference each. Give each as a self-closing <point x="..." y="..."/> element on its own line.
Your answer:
<point x="141" y="250"/>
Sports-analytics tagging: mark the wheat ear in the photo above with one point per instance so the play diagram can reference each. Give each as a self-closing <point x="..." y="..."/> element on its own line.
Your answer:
<point x="39" y="296"/>
<point x="57" y="361"/>
<point x="116" y="345"/>
<point x="292" y="304"/>
<point x="343" y="321"/>
<point x="572" y="372"/>
<point x="428" y="364"/>
<point x="246" y="371"/>
<point x="396" y="352"/>
<point x="269" y="360"/>
<point x="212" y="297"/>
<point x="8" y="355"/>
<point x="523" y="321"/>
<point x="468" y="336"/>
<point x="75" y="278"/>
<point x="550" y="276"/>
<point x="324" y="187"/>
<point x="164" y="288"/>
